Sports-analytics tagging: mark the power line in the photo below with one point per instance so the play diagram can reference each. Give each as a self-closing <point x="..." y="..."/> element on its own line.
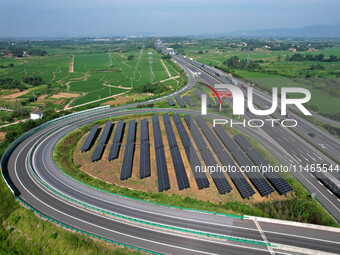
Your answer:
<point x="150" y="63"/>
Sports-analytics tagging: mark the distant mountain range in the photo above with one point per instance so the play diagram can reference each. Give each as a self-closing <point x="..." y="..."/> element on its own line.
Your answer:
<point x="315" y="31"/>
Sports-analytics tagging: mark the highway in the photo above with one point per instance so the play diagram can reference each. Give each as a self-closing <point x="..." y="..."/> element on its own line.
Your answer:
<point x="36" y="151"/>
<point x="288" y="147"/>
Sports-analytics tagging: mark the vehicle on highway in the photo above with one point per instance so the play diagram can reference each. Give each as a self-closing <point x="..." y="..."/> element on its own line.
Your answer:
<point x="312" y="135"/>
<point x="322" y="146"/>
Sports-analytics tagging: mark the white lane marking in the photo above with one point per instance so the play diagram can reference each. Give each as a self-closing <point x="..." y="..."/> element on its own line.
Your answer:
<point x="120" y="233"/>
<point x="264" y="237"/>
<point x="329" y="191"/>
<point x="336" y="208"/>
<point x="320" y="183"/>
<point x="177" y="247"/>
<point x="211" y="223"/>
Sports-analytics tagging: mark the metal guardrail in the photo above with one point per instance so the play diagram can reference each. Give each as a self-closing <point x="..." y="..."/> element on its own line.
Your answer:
<point x="84" y="232"/>
<point x="24" y="136"/>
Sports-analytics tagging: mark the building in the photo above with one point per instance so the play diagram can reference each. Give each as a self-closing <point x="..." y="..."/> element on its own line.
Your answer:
<point x="36" y="115"/>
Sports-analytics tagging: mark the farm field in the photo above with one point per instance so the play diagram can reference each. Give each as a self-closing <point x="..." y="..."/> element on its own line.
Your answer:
<point x="272" y="69"/>
<point x="83" y="70"/>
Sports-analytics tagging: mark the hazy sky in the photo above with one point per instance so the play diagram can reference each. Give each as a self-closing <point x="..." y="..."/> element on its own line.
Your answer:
<point x="32" y="18"/>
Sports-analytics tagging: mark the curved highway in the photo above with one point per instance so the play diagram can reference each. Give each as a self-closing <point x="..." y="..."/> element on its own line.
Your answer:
<point x="36" y="152"/>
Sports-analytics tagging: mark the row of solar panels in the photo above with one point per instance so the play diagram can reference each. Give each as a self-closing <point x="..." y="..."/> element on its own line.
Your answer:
<point x="162" y="170"/>
<point x="181" y="175"/>
<point x="180" y="101"/>
<point x="201" y="179"/>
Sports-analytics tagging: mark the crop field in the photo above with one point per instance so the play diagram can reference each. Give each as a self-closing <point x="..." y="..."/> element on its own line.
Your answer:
<point x="74" y="75"/>
<point x="273" y="70"/>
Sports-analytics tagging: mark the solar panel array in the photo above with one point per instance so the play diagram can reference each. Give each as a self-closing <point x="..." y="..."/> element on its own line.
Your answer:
<point x="129" y="151"/>
<point x="236" y="176"/>
<point x="98" y="152"/>
<point x="171" y="102"/>
<point x="254" y="176"/>
<point x="280" y="184"/>
<point x="117" y="138"/>
<point x="212" y="139"/>
<point x="200" y="143"/>
<point x="180" y="101"/>
<point x="219" y="178"/>
<point x="144" y="163"/>
<point x="225" y="138"/>
<point x="181" y="175"/>
<point x="200" y="177"/>
<point x="242" y="142"/>
<point x="200" y="93"/>
<point x="162" y="170"/>
<point x="189" y="101"/>
<point x="90" y="139"/>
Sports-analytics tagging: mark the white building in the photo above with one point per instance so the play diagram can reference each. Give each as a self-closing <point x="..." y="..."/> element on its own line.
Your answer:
<point x="36" y="115"/>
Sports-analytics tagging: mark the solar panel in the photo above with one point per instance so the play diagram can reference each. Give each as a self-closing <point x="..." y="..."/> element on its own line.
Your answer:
<point x="254" y="175"/>
<point x="171" y="102"/>
<point x="98" y="152"/>
<point x="117" y="138"/>
<point x="180" y="101"/>
<point x="200" y="143"/>
<point x="188" y="101"/>
<point x="235" y="175"/>
<point x="279" y="183"/>
<point x="105" y="133"/>
<point x="225" y="138"/>
<point x="144" y="162"/>
<point x="90" y="139"/>
<point x="126" y="170"/>
<point x="162" y="170"/>
<point x="242" y="142"/>
<point x="157" y="132"/>
<point x="200" y="177"/>
<point x="212" y="139"/>
<point x="219" y="178"/>
<point x="181" y="175"/>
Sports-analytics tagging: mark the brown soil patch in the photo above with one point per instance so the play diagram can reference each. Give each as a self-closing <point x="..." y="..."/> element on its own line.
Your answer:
<point x="65" y="95"/>
<point x="109" y="171"/>
<point x="2" y="136"/>
<point x="15" y="94"/>
<point x="119" y="100"/>
<point x="41" y="98"/>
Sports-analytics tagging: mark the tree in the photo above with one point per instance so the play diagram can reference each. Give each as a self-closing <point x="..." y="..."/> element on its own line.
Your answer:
<point x="279" y="58"/>
<point x="287" y="58"/>
<point x="131" y="57"/>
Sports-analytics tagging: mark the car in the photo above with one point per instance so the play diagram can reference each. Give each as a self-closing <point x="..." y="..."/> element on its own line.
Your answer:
<point x="322" y="146"/>
<point x="312" y="135"/>
<point x="277" y="124"/>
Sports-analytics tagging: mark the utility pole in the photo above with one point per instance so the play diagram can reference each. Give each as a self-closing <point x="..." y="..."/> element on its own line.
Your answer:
<point x="248" y="57"/>
<point x="131" y="82"/>
<point x="109" y="90"/>
<point x="150" y="63"/>
<point x="35" y="102"/>
<point x="110" y="58"/>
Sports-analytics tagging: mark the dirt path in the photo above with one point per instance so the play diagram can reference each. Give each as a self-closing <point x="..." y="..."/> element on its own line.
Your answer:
<point x="165" y="68"/>
<point x="98" y="100"/>
<point x="119" y="87"/>
<point x="70" y="70"/>
<point x="172" y="78"/>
